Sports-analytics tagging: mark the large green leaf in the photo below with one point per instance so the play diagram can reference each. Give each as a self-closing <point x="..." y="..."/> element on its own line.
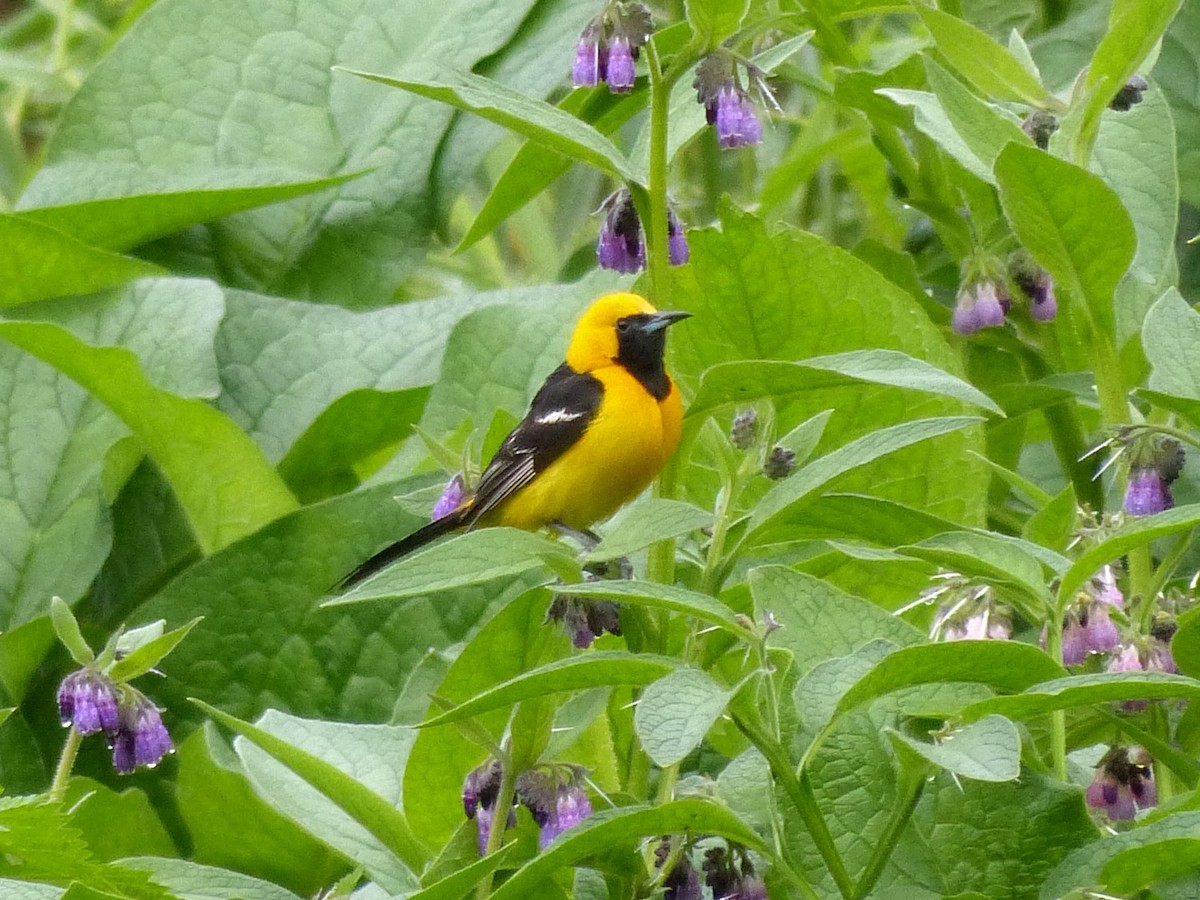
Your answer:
<point x="354" y="773"/>
<point x="40" y="262"/>
<point x="789" y="296"/>
<point x="674" y="713"/>
<point x="192" y="881"/>
<point x="1072" y="222"/>
<point x="53" y="510"/>
<point x="1171" y="329"/>
<point x="223" y="482"/>
<point x="345" y="663"/>
<point x="987" y="750"/>
<point x="1081" y="690"/>
<point x="252" y="92"/>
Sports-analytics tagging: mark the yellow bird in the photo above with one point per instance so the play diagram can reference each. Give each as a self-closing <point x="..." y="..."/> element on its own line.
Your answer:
<point x="598" y="431"/>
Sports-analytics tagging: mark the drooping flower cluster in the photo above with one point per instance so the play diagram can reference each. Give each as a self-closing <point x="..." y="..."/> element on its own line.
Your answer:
<point x="730" y="879"/>
<point x="585" y="618"/>
<point x="622" y="246"/>
<point x="968" y="612"/>
<point x="90" y="702"/>
<point x="1151" y="653"/>
<point x="727" y="105"/>
<point x="980" y="304"/>
<point x="780" y="463"/>
<point x="1087" y="626"/>
<point x="553" y="795"/>
<point x="609" y="47"/>
<point x="1123" y="784"/>
<point x="682" y="882"/>
<point x="1040" y="126"/>
<point x="1155" y="462"/>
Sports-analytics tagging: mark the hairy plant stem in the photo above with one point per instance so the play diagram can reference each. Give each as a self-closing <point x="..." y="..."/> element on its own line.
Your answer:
<point x="1058" y="718"/>
<point x="799" y="790"/>
<point x="908" y="798"/>
<point x="66" y="762"/>
<point x="656" y="228"/>
<point x="504" y="803"/>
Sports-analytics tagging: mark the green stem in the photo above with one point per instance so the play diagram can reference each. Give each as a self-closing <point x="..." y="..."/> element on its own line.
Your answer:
<point x="66" y="762"/>
<point x="1167" y="567"/>
<point x="504" y="802"/>
<point x="1141" y="575"/>
<point x="800" y="792"/>
<point x="1114" y="403"/>
<point x="710" y="581"/>
<point x="1058" y="718"/>
<point x="912" y="789"/>
<point x="666" y="784"/>
<point x="656" y="228"/>
<point x="1178" y="433"/>
<point x="62" y="36"/>
<point x="1160" y="727"/>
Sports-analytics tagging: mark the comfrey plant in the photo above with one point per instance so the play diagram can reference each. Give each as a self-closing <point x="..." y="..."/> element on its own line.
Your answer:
<point x="98" y="698"/>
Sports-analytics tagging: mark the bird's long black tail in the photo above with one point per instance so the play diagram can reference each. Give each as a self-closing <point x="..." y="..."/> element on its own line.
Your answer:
<point x="404" y="546"/>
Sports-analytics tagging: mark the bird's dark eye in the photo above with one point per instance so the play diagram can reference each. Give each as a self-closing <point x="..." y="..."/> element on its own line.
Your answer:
<point x="623" y="326"/>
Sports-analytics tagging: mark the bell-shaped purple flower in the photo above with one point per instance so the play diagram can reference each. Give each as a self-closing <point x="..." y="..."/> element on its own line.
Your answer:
<point x="571" y="807"/>
<point x="585" y="618"/>
<point x="87" y="699"/>
<point x="1148" y="492"/>
<point x="1074" y="642"/>
<point x="620" y="69"/>
<point x="735" y="118"/>
<point x="981" y="305"/>
<point x="621" y="246"/>
<point x="1038" y="285"/>
<point x="480" y="787"/>
<point x="590" y="58"/>
<point x="1124" y="783"/>
<point x="1099" y="631"/>
<point x="971" y="613"/>
<point x="683" y="881"/>
<point x="142" y="741"/>
<point x="451" y="498"/>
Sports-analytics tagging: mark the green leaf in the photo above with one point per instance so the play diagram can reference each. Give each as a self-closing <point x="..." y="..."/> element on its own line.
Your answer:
<point x="331" y="456"/>
<point x="221" y="479"/>
<point x="1135" y="26"/>
<point x="196" y="882"/>
<point x="252" y="96"/>
<point x="1072" y="222"/>
<point x="575" y="673"/>
<point x="534" y="119"/>
<point x="376" y="814"/>
<point x="459" y="884"/>
<point x="614" y="827"/>
<point x="783" y="296"/>
<point x="715" y="20"/>
<point x="1185" y="644"/>
<point x="1082" y="868"/>
<point x="993" y="557"/>
<point x="745" y="381"/>
<point x="653" y="519"/>
<point x="150" y="654"/>
<point x="513" y="641"/>
<point x="95" y="807"/>
<point x="784" y="498"/>
<point x="982" y="61"/>
<point x="675" y="712"/>
<point x="1134" y="533"/>
<point x="1083" y="690"/>
<point x="1169" y="332"/>
<point x="232" y="828"/>
<point x="1138" y="868"/>
<point x="40" y="262"/>
<point x="660" y="596"/>
<point x="67" y="629"/>
<point x="987" y="750"/>
<point x="30" y="890"/>
<point x="467" y="559"/>
<point x="818" y="621"/>
<point x="929" y="116"/>
<point x="127" y="221"/>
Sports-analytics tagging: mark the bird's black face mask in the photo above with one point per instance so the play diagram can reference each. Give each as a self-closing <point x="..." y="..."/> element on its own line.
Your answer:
<point x="641" y="340"/>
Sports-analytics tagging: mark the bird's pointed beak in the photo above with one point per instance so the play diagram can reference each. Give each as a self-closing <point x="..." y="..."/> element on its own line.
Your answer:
<point x="659" y="321"/>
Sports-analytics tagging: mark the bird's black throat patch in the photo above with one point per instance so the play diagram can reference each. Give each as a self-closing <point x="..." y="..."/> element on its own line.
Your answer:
<point x="640" y="351"/>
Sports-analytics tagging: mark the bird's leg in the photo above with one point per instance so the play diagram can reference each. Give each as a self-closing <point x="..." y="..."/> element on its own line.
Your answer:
<point x="609" y="569"/>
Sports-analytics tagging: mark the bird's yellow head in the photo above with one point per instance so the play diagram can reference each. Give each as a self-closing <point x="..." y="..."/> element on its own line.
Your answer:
<point x="620" y="328"/>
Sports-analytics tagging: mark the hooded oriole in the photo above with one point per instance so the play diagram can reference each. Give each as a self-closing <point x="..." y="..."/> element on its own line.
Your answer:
<point x="599" y="429"/>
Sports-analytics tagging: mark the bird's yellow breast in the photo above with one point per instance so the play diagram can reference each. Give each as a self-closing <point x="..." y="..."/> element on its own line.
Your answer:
<point x="624" y="448"/>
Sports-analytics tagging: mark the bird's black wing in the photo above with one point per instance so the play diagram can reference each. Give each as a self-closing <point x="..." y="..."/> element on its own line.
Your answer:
<point x="559" y="415"/>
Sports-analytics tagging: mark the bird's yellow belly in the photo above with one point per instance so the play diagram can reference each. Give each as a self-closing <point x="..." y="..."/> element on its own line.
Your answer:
<point x="614" y="461"/>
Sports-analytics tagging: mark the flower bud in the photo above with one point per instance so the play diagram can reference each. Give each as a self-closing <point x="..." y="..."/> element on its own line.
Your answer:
<point x="1040" y="125"/>
<point x="621" y="246"/>
<point x="1130" y="94"/>
<point x="744" y="429"/>
<point x="451" y="499"/>
<point x="779" y="464"/>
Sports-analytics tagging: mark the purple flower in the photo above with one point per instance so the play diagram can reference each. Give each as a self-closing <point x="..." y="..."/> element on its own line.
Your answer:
<point x="584" y="618"/>
<point x="1130" y="94"/>
<point x="734" y="117"/>
<point x="974" y="617"/>
<point x="480" y="787"/>
<point x="744" y="429"/>
<point x="1148" y="492"/>
<point x="1152" y="655"/>
<point x="1074" y="643"/>
<point x="590" y="55"/>
<point x="88" y="700"/>
<point x="981" y="305"/>
<point x="683" y="881"/>
<point x="483" y="827"/>
<point x="1038" y="285"/>
<point x="1099" y="631"/>
<point x="142" y="740"/>
<point x="621" y="247"/>
<point x="451" y="498"/>
<point x="620" y="71"/>
<point x="677" y="245"/>
<point x="1124" y="783"/>
<point x="571" y="807"/>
